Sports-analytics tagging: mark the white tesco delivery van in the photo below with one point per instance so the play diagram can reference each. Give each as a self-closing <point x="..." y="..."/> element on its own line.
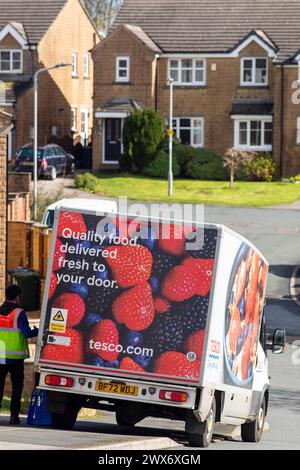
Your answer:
<point x="141" y="320"/>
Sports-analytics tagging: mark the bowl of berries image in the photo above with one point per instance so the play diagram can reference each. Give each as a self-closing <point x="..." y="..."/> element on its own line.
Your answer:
<point x="245" y="299"/>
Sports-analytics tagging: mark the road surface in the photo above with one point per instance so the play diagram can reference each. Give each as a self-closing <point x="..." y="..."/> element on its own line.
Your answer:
<point x="283" y="418"/>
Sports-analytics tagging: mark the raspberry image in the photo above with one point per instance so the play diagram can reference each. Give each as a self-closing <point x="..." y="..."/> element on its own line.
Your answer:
<point x="180" y="284"/>
<point x="75" y="306"/>
<point x="134" y="308"/>
<point x="176" y="364"/>
<point x="195" y="343"/>
<point x="104" y="332"/>
<point x="132" y="265"/>
<point x="129" y="364"/>
<point x="60" y="353"/>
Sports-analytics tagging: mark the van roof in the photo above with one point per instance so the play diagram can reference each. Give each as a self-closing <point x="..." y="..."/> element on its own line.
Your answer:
<point x="85" y="204"/>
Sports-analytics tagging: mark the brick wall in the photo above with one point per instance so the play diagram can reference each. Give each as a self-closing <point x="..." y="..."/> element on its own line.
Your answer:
<point x="2" y="214"/>
<point x="212" y="101"/>
<point x="19" y="182"/>
<point x="58" y="91"/>
<point x="18" y="245"/>
<point x="142" y="78"/>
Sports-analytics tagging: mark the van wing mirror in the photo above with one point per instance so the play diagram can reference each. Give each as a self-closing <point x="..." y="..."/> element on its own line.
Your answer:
<point x="279" y="341"/>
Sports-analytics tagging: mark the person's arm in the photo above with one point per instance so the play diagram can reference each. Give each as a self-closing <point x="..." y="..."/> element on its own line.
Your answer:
<point x="23" y="324"/>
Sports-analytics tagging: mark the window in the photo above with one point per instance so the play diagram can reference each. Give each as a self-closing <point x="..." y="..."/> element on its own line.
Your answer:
<point x="11" y="61"/>
<point x="86" y="65"/>
<point x="74" y="119"/>
<point x="187" y="71"/>
<point x="74" y="64"/>
<point x="298" y="131"/>
<point x="84" y="125"/>
<point x="122" y="69"/>
<point x="254" y="134"/>
<point x="189" y="131"/>
<point x="254" y="72"/>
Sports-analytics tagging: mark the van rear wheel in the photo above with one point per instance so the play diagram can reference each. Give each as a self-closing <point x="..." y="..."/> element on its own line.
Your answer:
<point x="122" y="421"/>
<point x="252" y="432"/>
<point x="200" y="434"/>
<point x="66" y="420"/>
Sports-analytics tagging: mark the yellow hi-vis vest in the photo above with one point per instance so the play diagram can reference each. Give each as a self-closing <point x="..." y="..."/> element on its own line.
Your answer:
<point x="13" y="345"/>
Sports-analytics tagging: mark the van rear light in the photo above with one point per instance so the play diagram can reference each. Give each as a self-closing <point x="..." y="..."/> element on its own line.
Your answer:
<point x="44" y="164"/>
<point x="59" y="381"/>
<point x="173" y="396"/>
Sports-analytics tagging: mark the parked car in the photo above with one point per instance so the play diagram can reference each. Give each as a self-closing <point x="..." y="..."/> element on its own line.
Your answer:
<point x="53" y="160"/>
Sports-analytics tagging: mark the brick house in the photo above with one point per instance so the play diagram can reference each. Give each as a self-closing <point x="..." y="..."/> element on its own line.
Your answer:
<point x="235" y="66"/>
<point x="42" y="33"/>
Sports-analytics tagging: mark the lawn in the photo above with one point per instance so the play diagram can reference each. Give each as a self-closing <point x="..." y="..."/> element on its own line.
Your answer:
<point x="244" y="194"/>
<point x="6" y="404"/>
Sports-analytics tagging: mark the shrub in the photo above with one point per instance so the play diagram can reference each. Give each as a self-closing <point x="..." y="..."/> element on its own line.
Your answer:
<point x="86" y="181"/>
<point x="261" y="168"/>
<point x="184" y="154"/>
<point x="143" y="134"/>
<point x="159" y="167"/>
<point x="125" y="163"/>
<point x="212" y="170"/>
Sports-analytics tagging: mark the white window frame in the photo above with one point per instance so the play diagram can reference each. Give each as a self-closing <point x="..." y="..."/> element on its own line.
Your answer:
<point x="74" y="118"/>
<point x="253" y="80"/>
<point x="86" y="65"/>
<point x="74" y="64"/>
<point x="191" y="128"/>
<point x="194" y="82"/>
<point x="298" y="131"/>
<point x="84" y="135"/>
<point x="11" y="70"/>
<point x="118" y="69"/>
<point x="248" y="120"/>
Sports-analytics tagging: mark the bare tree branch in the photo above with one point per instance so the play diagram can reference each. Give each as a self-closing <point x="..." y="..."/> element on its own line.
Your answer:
<point x="103" y="12"/>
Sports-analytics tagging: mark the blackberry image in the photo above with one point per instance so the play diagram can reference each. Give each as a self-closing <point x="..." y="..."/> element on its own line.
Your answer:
<point x="208" y="249"/>
<point x="193" y="313"/>
<point x="166" y="333"/>
<point x="99" y="302"/>
<point x="162" y="263"/>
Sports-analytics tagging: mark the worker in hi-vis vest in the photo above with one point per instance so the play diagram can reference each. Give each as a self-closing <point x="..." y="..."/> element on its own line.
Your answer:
<point x="14" y="334"/>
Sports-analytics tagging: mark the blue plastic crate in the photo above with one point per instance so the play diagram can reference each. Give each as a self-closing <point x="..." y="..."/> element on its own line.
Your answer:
<point x="38" y="415"/>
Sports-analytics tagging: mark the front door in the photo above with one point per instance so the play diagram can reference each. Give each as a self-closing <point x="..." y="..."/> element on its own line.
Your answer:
<point x="113" y="138"/>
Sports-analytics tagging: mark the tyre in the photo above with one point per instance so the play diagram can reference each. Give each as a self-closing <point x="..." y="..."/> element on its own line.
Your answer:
<point x="200" y="434"/>
<point x="122" y="421"/>
<point x="53" y="173"/>
<point x="66" y="420"/>
<point x="252" y="432"/>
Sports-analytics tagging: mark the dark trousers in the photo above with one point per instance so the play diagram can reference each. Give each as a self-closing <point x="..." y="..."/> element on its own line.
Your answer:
<point x="16" y="371"/>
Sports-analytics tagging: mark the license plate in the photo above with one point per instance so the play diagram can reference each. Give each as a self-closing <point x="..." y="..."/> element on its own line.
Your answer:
<point x="27" y="164"/>
<point x="118" y="389"/>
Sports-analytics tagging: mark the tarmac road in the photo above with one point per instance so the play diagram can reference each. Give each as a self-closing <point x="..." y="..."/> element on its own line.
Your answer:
<point x="150" y="434"/>
<point x="276" y="233"/>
